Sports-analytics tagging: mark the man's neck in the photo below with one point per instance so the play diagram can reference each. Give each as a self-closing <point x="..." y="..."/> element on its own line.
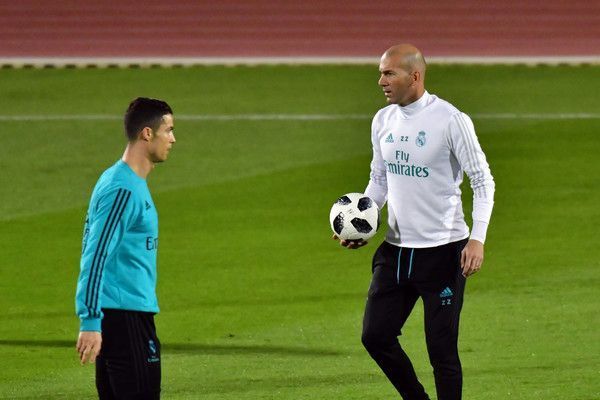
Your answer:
<point x="415" y="96"/>
<point x="137" y="160"/>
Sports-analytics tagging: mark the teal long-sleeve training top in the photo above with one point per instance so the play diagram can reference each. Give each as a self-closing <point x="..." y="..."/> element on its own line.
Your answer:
<point x="120" y="240"/>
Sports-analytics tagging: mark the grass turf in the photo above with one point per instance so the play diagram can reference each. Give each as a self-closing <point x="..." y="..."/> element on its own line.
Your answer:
<point x="257" y="302"/>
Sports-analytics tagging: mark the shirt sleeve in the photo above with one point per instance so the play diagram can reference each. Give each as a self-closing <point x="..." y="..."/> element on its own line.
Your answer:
<point x="105" y="225"/>
<point x="377" y="188"/>
<point x="468" y="152"/>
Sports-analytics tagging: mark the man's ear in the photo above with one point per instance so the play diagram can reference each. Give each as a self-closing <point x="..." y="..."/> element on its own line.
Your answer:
<point x="416" y="76"/>
<point x="146" y="134"/>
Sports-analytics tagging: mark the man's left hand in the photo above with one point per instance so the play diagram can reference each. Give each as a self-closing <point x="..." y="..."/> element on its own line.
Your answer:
<point x="88" y="346"/>
<point x="471" y="257"/>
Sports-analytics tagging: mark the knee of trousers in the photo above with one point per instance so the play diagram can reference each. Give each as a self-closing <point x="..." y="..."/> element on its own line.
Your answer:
<point x="447" y="365"/>
<point x="375" y="342"/>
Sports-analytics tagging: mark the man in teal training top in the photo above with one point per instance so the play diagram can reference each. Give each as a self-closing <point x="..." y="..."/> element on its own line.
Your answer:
<point x="116" y="290"/>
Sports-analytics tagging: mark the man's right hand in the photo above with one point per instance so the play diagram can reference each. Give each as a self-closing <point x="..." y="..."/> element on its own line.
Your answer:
<point x="88" y="346"/>
<point x="350" y="244"/>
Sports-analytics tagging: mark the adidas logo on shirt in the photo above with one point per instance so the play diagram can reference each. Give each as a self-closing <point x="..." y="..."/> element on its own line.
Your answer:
<point x="148" y="206"/>
<point x="389" y="139"/>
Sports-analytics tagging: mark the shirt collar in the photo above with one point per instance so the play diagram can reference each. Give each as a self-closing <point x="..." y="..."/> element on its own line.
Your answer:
<point x="416" y="106"/>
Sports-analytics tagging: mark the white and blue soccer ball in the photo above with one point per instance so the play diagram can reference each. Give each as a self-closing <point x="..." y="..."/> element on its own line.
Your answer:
<point x="354" y="216"/>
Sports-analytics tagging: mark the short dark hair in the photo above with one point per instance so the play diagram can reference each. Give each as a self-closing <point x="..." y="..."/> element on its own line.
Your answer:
<point x="144" y="112"/>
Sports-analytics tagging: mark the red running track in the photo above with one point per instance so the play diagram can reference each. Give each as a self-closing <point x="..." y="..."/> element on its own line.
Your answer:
<point x="255" y="28"/>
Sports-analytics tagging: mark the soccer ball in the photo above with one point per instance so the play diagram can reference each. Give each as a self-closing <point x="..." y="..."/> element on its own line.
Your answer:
<point x="354" y="216"/>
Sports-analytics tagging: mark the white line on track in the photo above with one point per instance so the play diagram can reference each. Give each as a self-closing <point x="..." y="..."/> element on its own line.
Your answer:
<point x="144" y="62"/>
<point x="291" y="117"/>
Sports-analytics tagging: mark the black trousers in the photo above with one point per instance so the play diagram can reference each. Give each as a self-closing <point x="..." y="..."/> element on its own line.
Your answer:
<point x="128" y="367"/>
<point x="400" y="276"/>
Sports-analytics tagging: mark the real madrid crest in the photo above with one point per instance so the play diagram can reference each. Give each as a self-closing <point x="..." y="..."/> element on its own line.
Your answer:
<point x="421" y="139"/>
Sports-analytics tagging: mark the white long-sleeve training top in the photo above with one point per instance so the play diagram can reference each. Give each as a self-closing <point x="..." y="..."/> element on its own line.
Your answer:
<point x="419" y="155"/>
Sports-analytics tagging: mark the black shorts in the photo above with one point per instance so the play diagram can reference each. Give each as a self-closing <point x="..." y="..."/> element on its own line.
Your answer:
<point x="128" y="366"/>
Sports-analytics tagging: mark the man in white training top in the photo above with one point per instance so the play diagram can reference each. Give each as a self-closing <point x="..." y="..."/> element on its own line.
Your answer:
<point x="421" y="147"/>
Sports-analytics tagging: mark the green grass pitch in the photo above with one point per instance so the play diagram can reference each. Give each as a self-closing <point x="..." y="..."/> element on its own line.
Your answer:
<point x="257" y="301"/>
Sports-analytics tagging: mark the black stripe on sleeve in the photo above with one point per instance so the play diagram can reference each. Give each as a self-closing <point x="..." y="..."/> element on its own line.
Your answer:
<point x="96" y="289"/>
<point x="97" y="252"/>
<point x="99" y="256"/>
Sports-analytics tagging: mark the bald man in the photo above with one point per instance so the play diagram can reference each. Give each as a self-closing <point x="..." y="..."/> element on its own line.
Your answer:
<point x="422" y="145"/>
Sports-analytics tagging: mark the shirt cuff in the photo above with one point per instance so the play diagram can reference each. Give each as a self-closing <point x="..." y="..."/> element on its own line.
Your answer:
<point x="479" y="231"/>
<point x="91" y="324"/>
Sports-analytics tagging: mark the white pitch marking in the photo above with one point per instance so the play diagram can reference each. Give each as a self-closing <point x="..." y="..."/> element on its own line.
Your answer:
<point x="288" y="117"/>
